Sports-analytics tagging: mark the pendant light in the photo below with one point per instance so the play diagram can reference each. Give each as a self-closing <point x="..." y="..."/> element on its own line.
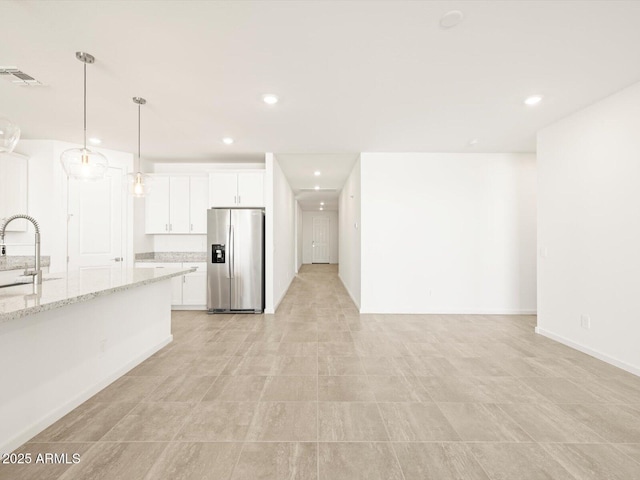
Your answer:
<point x="139" y="183"/>
<point x="82" y="163"/>
<point x="9" y="135"/>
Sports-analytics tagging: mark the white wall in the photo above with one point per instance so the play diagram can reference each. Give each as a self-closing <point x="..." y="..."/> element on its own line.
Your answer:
<point x="47" y="201"/>
<point x="448" y="233"/>
<point x="280" y="207"/>
<point x="307" y="235"/>
<point x="349" y="235"/>
<point x="589" y="229"/>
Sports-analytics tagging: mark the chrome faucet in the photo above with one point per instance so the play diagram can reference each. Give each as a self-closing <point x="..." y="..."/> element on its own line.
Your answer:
<point x="36" y="273"/>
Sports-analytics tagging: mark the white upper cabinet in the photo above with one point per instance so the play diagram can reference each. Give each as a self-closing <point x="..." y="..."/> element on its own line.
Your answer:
<point x="236" y="189"/>
<point x="177" y="204"/>
<point x="156" y="206"/>
<point x="179" y="221"/>
<point x="13" y="189"/>
<point x="198" y="204"/>
<point x="251" y="189"/>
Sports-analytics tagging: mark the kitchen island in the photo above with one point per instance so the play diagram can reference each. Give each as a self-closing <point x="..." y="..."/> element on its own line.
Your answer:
<point x="68" y="338"/>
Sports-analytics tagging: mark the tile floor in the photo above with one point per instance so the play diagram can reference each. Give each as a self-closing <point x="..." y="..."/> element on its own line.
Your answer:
<point x="320" y="392"/>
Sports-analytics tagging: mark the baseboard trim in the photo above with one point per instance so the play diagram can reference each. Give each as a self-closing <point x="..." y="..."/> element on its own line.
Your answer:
<point x="456" y="312"/>
<point x="589" y="351"/>
<point x="175" y="308"/>
<point x="357" y="304"/>
<point x="58" y="413"/>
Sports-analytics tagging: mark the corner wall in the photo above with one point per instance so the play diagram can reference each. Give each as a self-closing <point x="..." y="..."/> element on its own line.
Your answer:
<point x="280" y="261"/>
<point x="448" y="233"/>
<point x="349" y="235"/>
<point x="589" y="230"/>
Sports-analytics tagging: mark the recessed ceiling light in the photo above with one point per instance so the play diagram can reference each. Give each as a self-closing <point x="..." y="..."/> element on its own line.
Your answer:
<point x="451" y="19"/>
<point x="321" y="208"/>
<point x="95" y="141"/>
<point x="227" y="140"/>
<point x="322" y="203"/>
<point x="270" y="99"/>
<point x="317" y="173"/>
<point x="533" y="100"/>
<point x="473" y="142"/>
<point x="316" y="187"/>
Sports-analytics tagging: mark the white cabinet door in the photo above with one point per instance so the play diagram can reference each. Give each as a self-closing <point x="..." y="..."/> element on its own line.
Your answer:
<point x="156" y="206"/>
<point x="251" y="189"/>
<point x="179" y="205"/>
<point x="176" y="282"/>
<point x="13" y="189"/>
<point x="223" y="189"/>
<point x="198" y="204"/>
<point x="194" y="288"/>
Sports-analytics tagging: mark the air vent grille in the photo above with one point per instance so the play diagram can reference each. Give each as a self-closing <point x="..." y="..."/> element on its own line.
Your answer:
<point x="17" y="77"/>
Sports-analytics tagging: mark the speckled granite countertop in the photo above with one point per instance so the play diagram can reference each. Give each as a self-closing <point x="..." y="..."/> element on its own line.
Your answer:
<point x="171" y="257"/>
<point x="61" y="289"/>
<point x="18" y="262"/>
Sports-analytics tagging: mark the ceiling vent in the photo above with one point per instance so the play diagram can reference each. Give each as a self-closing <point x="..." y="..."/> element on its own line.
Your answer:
<point x="18" y="77"/>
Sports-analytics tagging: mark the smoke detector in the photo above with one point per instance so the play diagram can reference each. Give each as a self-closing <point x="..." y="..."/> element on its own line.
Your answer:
<point x="18" y="77"/>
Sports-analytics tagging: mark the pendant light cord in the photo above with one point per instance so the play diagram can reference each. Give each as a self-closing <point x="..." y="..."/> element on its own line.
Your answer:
<point x="85" y="106"/>
<point x="139" y="137"/>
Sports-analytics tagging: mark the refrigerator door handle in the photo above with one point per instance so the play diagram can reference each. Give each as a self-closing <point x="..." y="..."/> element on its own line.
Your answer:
<point x="232" y="252"/>
<point x="228" y="275"/>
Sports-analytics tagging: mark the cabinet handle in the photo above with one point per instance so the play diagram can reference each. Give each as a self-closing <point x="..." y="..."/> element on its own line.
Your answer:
<point x="234" y="200"/>
<point x="166" y="227"/>
<point x="238" y="199"/>
<point x="191" y="227"/>
<point x="170" y="227"/>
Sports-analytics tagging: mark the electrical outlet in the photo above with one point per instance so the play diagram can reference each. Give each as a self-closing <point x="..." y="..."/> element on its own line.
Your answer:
<point x="585" y="321"/>
<point x="103" y="345"/>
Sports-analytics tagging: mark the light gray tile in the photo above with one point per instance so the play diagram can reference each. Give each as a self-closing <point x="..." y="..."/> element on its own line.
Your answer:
<point x="284" y="421"/>
<point x="438" y="461"/>
<point x="196" y="461"/>
<point x="522" y="461"/>
<point x="415" y="422"/>
<point x="350" y="421"/>
<point x="483" y="422"/>
<point x="358" y="461"/>
<point x="276" y="461"/>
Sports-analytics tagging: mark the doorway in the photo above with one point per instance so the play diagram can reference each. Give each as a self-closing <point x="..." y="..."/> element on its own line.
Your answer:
<point x="320" y="237"/>
<point x="96" y="214"/>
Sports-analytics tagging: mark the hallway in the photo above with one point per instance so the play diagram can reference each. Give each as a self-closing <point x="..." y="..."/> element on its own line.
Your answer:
<point x="318" y="391"/>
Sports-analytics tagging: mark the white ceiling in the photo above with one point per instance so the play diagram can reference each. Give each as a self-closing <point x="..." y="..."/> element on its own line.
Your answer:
<point x="352" y="76"/>
<point x="334" y="171"/>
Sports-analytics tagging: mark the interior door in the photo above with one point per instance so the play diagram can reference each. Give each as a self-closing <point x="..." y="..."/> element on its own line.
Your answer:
<point x="95" y="221"/>
<point x="320" y="240"/>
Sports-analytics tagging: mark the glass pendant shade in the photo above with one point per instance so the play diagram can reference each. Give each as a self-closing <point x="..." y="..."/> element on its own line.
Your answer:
<point x="9" y="135"/>
<point x="139" y="184"/>
<point x="83" y="164"/>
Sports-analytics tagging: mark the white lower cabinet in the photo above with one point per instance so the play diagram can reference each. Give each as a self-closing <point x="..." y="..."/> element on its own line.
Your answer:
<point x="188" y="292"/>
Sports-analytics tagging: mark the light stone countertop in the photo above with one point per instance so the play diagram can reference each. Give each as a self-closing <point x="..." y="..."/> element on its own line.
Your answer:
<point x="62" y="289"/>
<point x="18" y="262"/>
<point x="172" y="257"/>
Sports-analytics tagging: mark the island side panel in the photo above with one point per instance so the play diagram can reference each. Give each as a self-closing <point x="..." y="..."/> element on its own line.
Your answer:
<point x="55" y="360"/>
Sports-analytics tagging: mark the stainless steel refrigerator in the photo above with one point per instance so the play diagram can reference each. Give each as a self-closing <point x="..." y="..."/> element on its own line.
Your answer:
<point x="235" y="267"/>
